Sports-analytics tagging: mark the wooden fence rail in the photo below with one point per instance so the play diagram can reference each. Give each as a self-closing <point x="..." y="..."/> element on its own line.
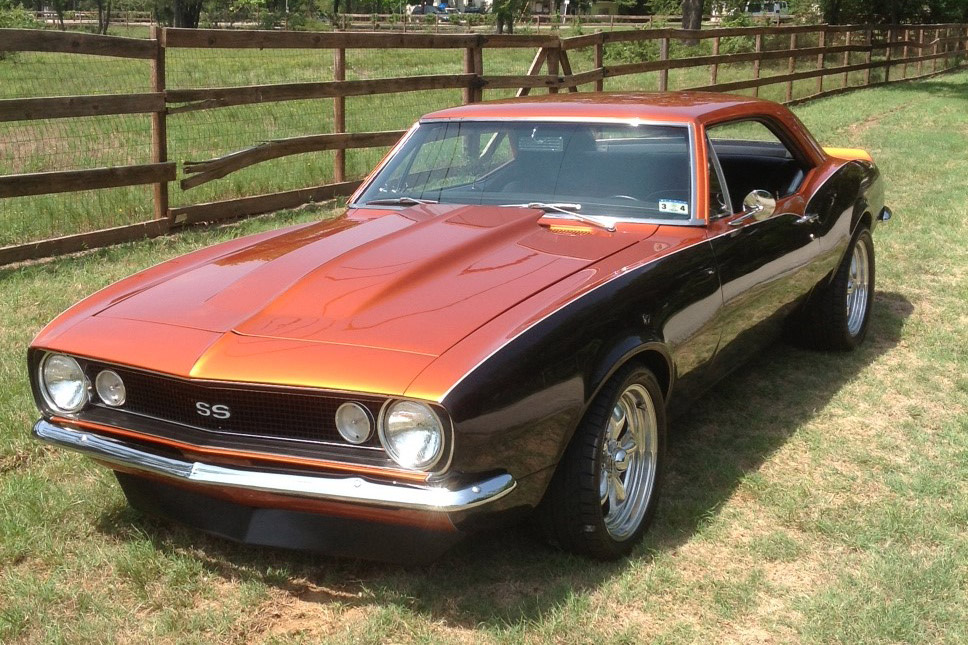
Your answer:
<point x="820" y="52"/>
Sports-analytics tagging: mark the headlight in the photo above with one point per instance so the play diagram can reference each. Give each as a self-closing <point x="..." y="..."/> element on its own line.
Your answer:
<point x="354" y="423"/>
<point x="412" y="434"/>
<point x="110" y="388"/>
<point x="63" y="383"/>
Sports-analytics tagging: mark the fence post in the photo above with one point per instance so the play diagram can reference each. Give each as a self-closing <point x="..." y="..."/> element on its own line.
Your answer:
<point x="888" y="55"/>
<point x="714" y="68"/>
<point x="159" y="122"/>
<point x="920" y="49"/>
<point x="791" y="67"/>
<point x="905" y="52"/>
<point x="479" y="74"/>
<point x="554" y="56"/>
<point x="947" y="35"/>
<point x="868" y="57"/>
<point x="756" y="63"/>
<point x="600" y="63"/>
<point x="339" y="115"/>
<point x="934" y="52"/>
<point x="664" y="73"/>
<point x="846" y="56"/>
<point x="822" y="42"/>
<point x="467" y="94"/>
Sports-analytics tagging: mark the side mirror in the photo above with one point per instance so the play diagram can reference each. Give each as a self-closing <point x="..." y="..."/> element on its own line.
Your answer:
<point x="759" y="205"/>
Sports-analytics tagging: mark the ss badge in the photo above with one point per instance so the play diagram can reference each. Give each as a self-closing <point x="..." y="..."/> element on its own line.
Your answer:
<point x="218" y="411"/>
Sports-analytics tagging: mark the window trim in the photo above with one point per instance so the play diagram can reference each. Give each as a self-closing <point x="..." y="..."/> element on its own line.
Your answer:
<point x="711" y="154"/>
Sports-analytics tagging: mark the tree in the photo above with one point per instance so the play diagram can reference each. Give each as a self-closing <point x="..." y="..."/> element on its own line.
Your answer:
<point x="186" y="13"/>
<point x="103" y="15"/>
<point x="504" y="14"/>
<point x="692" y="17"/>
<point x="891" y="11"/>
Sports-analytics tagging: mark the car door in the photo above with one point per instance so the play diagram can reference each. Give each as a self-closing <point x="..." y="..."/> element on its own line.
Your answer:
<point x="766" y="265"/>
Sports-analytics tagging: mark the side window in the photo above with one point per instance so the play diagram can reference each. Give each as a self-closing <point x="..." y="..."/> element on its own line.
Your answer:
<point x="752" y="157"/>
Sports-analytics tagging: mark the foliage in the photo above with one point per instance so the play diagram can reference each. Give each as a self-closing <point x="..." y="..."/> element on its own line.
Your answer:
<point x="16" y="18"/>
<point x="737" y="44"/>
<point x="631" y="51"/>
<point x="893" y="11"/>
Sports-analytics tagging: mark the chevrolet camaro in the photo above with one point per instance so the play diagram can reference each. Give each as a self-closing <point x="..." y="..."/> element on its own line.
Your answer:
<point x="499" y="325"/>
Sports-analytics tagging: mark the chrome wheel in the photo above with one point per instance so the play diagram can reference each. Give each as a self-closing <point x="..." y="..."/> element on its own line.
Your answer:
<point x="628" y="462"/>
<point x="858" y="279"/>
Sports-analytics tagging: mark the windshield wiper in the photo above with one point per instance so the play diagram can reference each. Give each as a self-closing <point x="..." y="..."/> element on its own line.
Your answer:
<point x="399" y="201"/>
<point x="569" y="209"/>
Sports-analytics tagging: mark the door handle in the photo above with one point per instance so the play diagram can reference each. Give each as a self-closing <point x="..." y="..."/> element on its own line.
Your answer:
<point x="806" y="219"/>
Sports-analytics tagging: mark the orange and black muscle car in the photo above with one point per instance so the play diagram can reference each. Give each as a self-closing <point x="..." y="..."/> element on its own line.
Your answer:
<point x="498" y="325"/>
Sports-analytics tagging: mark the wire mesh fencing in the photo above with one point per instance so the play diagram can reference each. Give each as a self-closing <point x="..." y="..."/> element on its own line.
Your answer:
<point x="257" y="121"/>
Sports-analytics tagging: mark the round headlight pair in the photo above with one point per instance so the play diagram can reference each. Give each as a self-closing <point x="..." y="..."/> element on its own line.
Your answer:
<point x="67" y="389"/>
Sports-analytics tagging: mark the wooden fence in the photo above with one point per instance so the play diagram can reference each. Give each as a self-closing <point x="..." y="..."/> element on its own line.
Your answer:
<point x="814" y="52"/>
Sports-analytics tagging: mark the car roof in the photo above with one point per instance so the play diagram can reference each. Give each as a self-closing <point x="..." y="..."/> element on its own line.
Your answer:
<point x="679" y="107"/>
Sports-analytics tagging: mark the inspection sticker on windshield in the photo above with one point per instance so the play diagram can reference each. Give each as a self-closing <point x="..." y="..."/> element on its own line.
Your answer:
<point x="673" y="206"/>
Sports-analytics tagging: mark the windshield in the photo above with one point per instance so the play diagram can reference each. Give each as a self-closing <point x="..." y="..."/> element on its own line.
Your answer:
<point x="607" y="169"/>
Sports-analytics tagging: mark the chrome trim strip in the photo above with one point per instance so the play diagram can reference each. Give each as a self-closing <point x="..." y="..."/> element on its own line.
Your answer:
<point x="339" y="489"/>
<point x="631" y="120"/>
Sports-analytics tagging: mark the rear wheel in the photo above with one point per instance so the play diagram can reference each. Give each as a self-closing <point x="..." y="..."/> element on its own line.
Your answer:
<point x="604" y="492"/>
<point x="837" y="316"/>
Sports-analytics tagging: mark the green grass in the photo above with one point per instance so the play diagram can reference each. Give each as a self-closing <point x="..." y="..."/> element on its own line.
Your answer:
<point x="66" y="144"/>
<point x="812" y="497"/>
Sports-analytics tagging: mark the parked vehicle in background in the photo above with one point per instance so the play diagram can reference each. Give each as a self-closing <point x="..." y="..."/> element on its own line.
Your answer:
<point x="767" y="9"/>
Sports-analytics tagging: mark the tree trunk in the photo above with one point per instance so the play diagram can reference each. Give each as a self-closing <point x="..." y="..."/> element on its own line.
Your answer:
<point x="832" y="13"/>
<point x="187" y="13"/>
<point x="103" y="16"/>
<point x="692" y="18"/>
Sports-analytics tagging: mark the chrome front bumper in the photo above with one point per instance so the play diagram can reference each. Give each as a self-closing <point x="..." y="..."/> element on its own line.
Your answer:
<point x="334" y="488"/>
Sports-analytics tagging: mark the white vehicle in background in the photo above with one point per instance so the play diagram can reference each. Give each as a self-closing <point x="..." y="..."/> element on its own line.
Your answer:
<point x="767" y="9"/>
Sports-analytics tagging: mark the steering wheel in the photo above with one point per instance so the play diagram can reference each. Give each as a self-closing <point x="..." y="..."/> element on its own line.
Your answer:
<point x="628" y="197"/>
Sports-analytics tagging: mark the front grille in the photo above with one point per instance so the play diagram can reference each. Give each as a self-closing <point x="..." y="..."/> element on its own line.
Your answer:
<point x="253" y="411"/>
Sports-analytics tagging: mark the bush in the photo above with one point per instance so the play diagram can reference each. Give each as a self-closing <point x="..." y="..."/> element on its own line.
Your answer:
<point x="737" y="44"/>
<point x="17" y="18"/>
<point x="631" y="52"/>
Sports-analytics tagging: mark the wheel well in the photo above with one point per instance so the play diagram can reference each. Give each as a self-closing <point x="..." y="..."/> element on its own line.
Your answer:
<point x="658" y="365"/>
<point x="865" y="220"/>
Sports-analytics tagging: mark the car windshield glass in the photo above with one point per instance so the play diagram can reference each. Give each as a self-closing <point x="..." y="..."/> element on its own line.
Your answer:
<point x="609" y="169"/>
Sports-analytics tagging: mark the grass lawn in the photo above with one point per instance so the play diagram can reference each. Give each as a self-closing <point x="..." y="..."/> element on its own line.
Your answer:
<point x="812" y="497"/>
<point x="77" y="143"/>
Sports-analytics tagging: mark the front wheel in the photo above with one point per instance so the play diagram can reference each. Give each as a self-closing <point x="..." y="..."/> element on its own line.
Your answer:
<point x="604" y="493"/>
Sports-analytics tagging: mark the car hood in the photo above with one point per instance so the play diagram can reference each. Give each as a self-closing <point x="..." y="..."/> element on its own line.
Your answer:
<point x="415" y="280"/>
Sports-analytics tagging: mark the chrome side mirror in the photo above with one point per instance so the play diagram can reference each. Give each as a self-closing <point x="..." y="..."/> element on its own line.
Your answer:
<point x="760" y="204"/>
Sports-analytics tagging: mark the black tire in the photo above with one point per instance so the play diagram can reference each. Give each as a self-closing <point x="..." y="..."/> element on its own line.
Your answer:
<point x="833" y="318"/>
<point x="576" y="513"/>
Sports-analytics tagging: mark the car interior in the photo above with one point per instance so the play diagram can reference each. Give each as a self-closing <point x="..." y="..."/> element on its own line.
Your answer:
<point x="753" y="157"/>
<point x="630" y="170"/>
